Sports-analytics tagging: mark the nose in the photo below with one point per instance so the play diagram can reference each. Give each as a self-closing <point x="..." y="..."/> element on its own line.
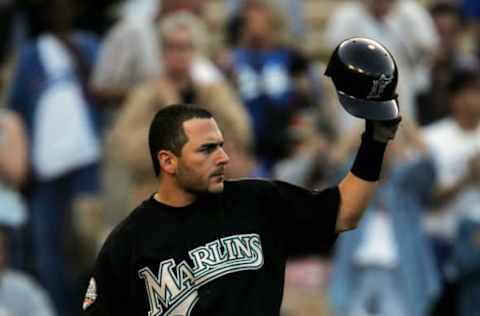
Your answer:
<point x="222" y="158"/>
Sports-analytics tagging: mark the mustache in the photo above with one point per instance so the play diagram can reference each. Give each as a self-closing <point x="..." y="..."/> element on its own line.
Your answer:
<point x="218" y="172"/>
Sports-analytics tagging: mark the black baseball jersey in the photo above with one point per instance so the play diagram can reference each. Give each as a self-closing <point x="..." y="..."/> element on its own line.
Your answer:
<point x="222" y="255"/>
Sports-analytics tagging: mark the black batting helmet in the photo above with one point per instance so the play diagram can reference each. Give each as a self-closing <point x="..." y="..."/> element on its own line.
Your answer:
<point x="365" y="76"/>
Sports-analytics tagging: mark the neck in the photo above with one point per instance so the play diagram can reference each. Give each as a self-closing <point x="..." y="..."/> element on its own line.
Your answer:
<point x="258" y="44"/>
<point x="172" y="195"/>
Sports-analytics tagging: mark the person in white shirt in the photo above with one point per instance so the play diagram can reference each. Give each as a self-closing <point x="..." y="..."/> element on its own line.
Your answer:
<point x="20" y="295"/>
<point x="454" y="145"/>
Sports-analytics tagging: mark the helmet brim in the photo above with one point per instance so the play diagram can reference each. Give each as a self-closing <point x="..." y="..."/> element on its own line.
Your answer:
<point x="370" y="110"/>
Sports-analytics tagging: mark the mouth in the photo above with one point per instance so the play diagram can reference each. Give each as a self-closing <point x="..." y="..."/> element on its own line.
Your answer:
<point x="218" y="174"/>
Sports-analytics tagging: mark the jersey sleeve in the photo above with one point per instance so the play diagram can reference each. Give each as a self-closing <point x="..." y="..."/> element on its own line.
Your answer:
<point x="304" y="219"/>
<point x="103" y="294"/>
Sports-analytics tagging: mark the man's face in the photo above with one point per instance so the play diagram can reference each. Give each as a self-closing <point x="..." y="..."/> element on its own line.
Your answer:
<point x="201" y="165"/>
<point x="448" y="27"/>
<point x="257" y="24"/>
<point x="178" y="51"/>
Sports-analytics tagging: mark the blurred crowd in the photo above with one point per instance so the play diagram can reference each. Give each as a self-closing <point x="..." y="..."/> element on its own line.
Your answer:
<point x="81" y="80"/>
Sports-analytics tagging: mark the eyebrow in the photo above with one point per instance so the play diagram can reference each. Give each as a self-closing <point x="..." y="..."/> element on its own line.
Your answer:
<point x="211" y="143"/>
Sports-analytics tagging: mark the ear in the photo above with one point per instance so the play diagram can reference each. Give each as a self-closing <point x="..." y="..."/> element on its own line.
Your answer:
<point x="167" y="161"/>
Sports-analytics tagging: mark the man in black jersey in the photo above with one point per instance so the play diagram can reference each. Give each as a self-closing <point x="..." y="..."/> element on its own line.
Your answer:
<point x="202" y="245"/>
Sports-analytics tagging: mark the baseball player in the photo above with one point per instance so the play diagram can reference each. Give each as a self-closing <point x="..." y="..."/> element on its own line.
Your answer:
<point x="203" y="245"/>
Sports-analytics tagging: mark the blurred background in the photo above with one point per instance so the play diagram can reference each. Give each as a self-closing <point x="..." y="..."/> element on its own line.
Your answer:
<point x="81" y="80"/>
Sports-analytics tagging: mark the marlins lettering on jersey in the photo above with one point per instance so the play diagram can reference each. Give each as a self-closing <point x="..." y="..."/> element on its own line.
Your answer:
<point x="174" y="290"/>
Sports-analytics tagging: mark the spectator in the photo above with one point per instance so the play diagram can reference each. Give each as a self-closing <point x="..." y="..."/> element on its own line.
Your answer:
<point x="466" y="257"/>
<point x="433" y="103"/>
<point x="51" y="95"/>
<point x="309" y="164"/>
<point x="272" y="78"/>
<point x="404" y="27"/>
<point x="19" y="294"/>
<point x="291" y="8"/>
<point x="139" y="9"/>
<point x="386" y="266"/>
<point x="131" y="55"/>
<point x="13" y="170"/>
<point x="454" y="144"/>
<point x="180" y="35"/>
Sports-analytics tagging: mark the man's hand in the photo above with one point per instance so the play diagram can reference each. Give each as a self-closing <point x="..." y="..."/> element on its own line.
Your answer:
<point x="382" y="131"/>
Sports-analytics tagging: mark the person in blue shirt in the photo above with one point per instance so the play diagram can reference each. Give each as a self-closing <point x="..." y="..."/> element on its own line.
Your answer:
<point x="387" y="266"/>
<point x="269" y="78"/>
<point x="62" y="117"/>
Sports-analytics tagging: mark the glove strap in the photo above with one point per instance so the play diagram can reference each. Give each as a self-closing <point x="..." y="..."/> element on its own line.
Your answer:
<point x="369" y="159"/>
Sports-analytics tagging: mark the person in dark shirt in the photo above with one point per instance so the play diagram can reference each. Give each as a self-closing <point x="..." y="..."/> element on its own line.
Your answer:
<point x="203" y="245"/>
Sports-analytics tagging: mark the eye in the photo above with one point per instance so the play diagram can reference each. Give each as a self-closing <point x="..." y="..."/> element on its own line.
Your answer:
<point x="208" y="148"/>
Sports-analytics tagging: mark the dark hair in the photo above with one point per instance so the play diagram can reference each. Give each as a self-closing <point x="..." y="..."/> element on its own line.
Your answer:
<point x="463" y="79"/>
<point x="166" y="130"/>
<point x="449" y="8"/>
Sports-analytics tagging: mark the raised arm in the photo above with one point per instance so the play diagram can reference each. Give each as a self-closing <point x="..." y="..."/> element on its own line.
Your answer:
<point x="358" y="187"/>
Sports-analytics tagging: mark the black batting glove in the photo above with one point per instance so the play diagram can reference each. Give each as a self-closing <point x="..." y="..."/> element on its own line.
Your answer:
<point x="382" y="131"/>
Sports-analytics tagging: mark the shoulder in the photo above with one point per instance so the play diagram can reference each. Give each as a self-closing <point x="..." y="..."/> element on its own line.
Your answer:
<point x="254" y="187"/>
<point x="438" y="130"/>
<point x="250" y="191"/>
<point x="124" y="234"/>
<point x="155" y="92"/>
<point x="249" y="186"/>
<point x="247" y="182"/>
